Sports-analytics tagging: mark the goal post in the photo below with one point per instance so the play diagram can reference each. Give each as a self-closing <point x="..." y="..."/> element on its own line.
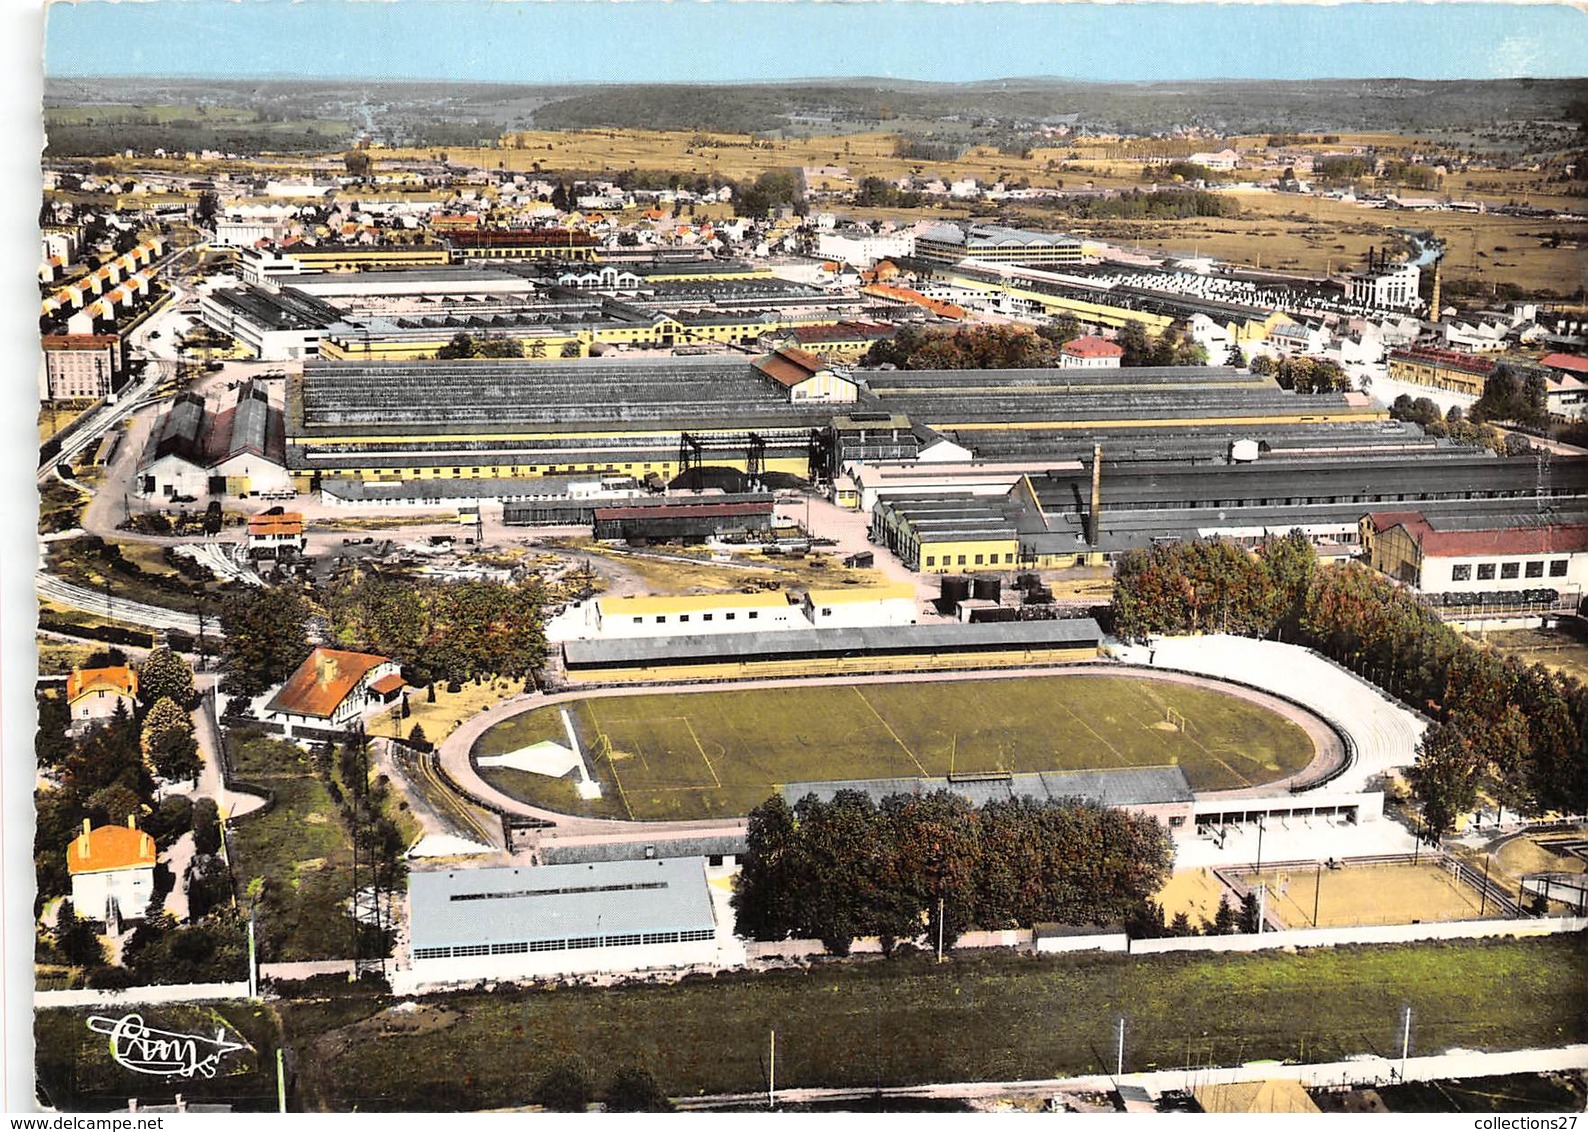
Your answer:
<point x="1176" y="720"/>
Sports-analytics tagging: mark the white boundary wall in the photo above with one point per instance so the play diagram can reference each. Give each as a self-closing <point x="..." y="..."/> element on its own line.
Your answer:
<point x="1377" y="933"/>
<point x="139" y="996"/>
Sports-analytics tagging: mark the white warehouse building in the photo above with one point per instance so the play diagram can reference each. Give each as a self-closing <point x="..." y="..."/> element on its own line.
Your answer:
<point x="520" y="923"/>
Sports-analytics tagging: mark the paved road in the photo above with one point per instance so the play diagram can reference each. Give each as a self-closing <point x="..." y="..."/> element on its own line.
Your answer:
<point x="121" y="609"/>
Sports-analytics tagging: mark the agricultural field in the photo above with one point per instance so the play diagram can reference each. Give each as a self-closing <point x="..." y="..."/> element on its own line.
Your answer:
<point x="908" y="1020"/>
<point x="718" y="753"/>
<point x="1358" y="895"/>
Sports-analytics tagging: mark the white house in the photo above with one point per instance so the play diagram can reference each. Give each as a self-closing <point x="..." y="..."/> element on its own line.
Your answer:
<point x="806" y="377"/>
<point x="112" y="871"/>
<point x="93" y="694"/>
<point x="1090" y="353"/>
<point x="333" y="688"/>
<point x="692" y="615"/>
<point x="850" y="607"/>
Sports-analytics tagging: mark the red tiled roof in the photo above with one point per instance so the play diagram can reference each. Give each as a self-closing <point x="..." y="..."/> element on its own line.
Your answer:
<point x="387" y="684"/>
<point x="1384" y="520"/>
<point x="842" y="332"/>
<point x="790" y="365"/>
<point x="110" y="847"/>
<point x="263" y="525"/>
<point x="118" y="678"/>
<point x="1500" y="541"/>
<point x="1092" y="347"/>
<point x="78" y="341"/>
<point x="1449" y="359"/>
<point x="323" y="681"/>
<point x="1570" y="362"/>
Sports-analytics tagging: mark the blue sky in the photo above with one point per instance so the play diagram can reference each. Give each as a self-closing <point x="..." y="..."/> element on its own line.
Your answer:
<point x="693" y="41"/>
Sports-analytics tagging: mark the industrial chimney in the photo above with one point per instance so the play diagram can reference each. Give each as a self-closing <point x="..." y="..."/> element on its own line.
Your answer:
<point x="1095" y="516"/>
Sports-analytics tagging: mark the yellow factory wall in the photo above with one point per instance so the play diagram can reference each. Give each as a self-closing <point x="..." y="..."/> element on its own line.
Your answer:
<point x="666" y="469"/>
<point x="958" y="557"/>
<point x="1344" y="414"/>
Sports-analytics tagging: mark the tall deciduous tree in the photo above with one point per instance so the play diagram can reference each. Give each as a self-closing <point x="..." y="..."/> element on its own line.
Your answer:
<point x="265" y="638"/>
<point x="165" y="675"/>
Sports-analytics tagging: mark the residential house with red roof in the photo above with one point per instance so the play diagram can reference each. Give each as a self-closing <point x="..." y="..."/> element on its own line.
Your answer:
<point x="1091" y="352"/>
<point x="276" y="534"/>
<point x="112" y="871"/>
<point x="1476" y="556"/>
<point x="92" y="694"/>
<point x="332" y="689"/>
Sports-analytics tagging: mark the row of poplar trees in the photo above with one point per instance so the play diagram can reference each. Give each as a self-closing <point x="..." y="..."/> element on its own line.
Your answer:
<point x="1514" y="732"/>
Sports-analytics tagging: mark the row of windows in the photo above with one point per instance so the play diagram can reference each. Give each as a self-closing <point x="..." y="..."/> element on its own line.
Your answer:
<point x="980" y="560"/>
<point x="634" y="886"/>
<point x="577" y="943"/>
<point x="1535" y="569"/>
<point x="661" y="618"/>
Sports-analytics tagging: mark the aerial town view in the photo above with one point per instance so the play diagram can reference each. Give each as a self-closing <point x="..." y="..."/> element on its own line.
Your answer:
<point x="822" y="558"/>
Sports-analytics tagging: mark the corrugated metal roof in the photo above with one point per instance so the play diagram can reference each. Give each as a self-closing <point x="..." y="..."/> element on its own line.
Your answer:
<point x="511" y="905"/>
<point x="1134" y="786"/>
<point x="1077" y="631"/>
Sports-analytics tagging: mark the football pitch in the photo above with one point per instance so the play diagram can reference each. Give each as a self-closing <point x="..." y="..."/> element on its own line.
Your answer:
<point x="722" y="752"/>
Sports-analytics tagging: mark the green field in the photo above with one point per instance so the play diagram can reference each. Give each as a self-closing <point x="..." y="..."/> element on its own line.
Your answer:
<point x="705" y="754"/>
<point x="905" y="1021"/>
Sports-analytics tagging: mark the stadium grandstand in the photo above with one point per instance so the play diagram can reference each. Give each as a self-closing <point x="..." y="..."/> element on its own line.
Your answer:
<point x="825" y="652"/>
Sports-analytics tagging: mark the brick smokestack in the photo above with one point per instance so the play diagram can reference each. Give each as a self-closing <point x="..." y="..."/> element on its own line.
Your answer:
<point x="1095" y="515"/>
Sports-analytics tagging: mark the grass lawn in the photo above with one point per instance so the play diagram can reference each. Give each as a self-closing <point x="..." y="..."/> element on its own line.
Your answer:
<point x="70" y="616"/>
<point x="1369" y="894"/>
<point x="55" y="417"/>
<point x="443" y="717"/>
<point x="61" y="506"/>
<point x="1554" y="649"/>
<point x="705" y="754"/>
<point x="76" y="1074"/>
<point x="907" y="1021"/>
<point x="674" y="571"/>
<point x="301" y="845"/>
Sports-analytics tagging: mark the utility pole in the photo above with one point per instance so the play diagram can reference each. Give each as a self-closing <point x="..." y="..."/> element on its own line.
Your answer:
<point x="1317" y="886"/>
<point x="1406" y="1042"/>
<point x="1119" y="1057"/>
<point x="939" y="929"/>
<point x="771" y="1069"/>
<point x="1261" y="824"/>
<point x="281" y="1083"/>
<point x="1483" y="893"/>
<point x="1262" y="906"/>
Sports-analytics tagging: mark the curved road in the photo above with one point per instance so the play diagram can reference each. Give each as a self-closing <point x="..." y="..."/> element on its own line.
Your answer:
<point x="454" y="750"/>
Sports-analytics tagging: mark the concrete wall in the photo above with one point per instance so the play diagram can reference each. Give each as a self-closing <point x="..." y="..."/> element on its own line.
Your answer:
<point x="140" y="996"/>
<point x="1108" y="941"/>
<point x="1386" y="933"/>
<point x="540" y="964"/>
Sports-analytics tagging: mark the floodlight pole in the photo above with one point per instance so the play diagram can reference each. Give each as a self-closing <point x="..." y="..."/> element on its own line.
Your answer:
<point x="771" y="1069"/>
<point x="1119" y="1058"/>
<point x="1483" y="893"/>
<point x="1406" y="1042"/>
<point x="1317" y="887"/>
<point x="1261" y="825"/>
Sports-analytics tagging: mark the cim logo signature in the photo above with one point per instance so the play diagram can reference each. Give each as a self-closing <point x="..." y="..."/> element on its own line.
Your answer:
<point x="161" y="1053"/>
